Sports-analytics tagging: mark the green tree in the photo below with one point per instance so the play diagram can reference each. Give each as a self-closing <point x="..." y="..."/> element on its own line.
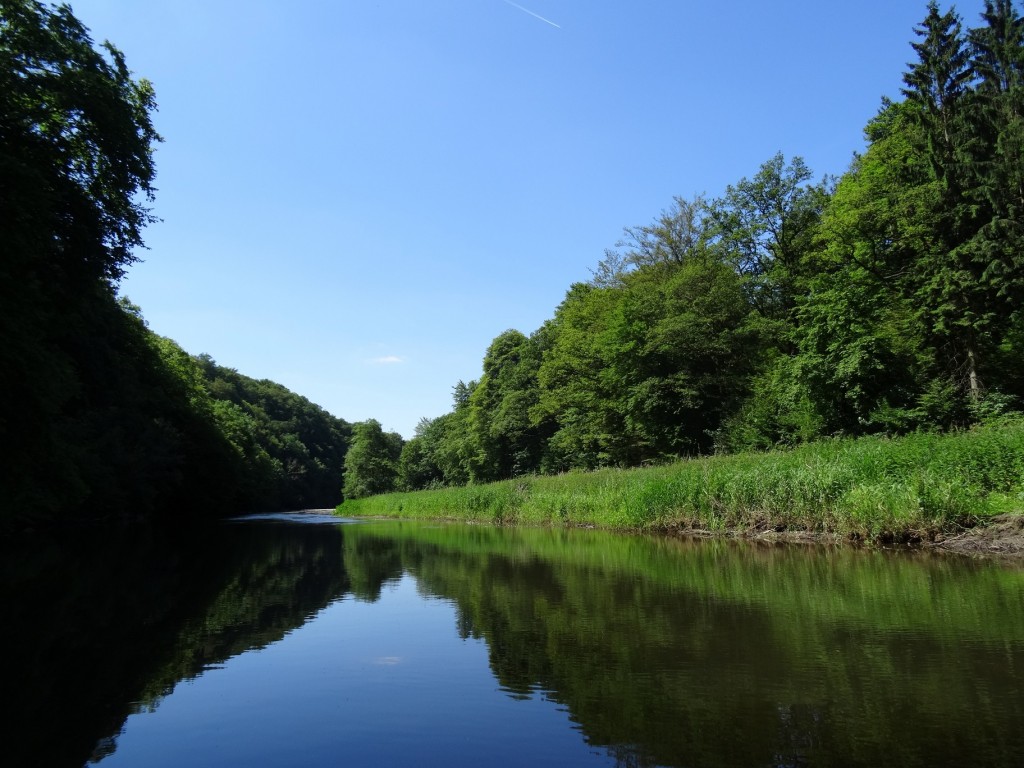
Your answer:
<point x="76" y="147"/>
<point x="447" y="442"/>
<point x="292" y="449"/>
<point x="765" y="225"/>
<point x="679" y="235"/>
<point x="684" y="345"/>
<point x="371" y="465"/>
<point x="967" y="282"/>
<point x="997" y="49"/>
<point x="937" y="83"/>
<point x="421" y="464"/>
<point x="76" y="171"/>
<point x="997" y="160"/>
<point x="863" y="345"/>
<point x="579" y="393"/>
<point x="506" y="442"/>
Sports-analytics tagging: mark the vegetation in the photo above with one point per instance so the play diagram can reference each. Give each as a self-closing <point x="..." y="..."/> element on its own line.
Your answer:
<point x="784" y="311"/>
<point x="105" y="419"/>
<point x="871" y="488"/>
<point x="289" y="452"/>
<point x="371" y="464"/>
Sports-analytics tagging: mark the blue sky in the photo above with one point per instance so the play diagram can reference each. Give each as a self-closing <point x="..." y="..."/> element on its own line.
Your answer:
<point x="358" y="196"/>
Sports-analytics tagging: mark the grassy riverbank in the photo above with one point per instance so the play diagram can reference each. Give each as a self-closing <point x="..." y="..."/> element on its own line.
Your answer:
<point x="906" y="488"/>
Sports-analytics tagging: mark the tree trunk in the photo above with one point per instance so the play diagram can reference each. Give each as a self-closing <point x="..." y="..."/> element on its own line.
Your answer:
<point x="972" y="375"/>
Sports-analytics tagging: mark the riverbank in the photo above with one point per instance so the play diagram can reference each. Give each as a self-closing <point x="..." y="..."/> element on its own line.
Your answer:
<point x="1001" y="536"/>
<point x="926" y="489"/>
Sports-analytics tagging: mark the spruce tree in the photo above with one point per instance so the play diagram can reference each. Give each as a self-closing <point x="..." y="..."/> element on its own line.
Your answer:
<point x="946" y="278"/>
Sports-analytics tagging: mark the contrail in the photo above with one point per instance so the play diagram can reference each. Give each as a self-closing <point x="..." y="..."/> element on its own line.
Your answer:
<point x="535" y="15"/>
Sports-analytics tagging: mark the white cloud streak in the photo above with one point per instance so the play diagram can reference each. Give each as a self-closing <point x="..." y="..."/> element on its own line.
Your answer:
<point x="535" y="15"/>
<point x="387" y="360"/>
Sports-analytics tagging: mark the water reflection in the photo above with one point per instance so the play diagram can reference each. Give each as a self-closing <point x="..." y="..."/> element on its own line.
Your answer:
<point x="669" y="652"/>
<point x="101" y="626"/>
<point x="656" y="651"/>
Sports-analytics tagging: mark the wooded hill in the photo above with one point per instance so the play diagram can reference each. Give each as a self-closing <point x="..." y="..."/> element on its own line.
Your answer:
<point x="101" y="418"/>
<point x="785" y="310"/>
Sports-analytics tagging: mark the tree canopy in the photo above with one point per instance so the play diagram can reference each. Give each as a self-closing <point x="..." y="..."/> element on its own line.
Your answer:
<point x="788" y="309"/>
<point x="104" y="418"/>
<point x="781" y="311"/>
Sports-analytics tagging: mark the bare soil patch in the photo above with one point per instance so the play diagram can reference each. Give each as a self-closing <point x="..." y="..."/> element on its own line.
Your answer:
<point x="1002" y="537"/>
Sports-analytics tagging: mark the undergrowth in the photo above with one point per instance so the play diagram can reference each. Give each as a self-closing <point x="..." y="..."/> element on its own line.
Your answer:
<point x="872" y="488"/>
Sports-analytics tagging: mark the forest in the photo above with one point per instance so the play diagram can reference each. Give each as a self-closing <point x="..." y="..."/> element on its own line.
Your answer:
<point x="786" y="310"/>
<point x="103" y="419"/>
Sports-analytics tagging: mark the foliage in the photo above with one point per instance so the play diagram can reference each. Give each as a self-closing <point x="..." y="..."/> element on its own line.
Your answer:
<point x="506" y="442"/>
<point x="75" y="160"/>
<point x="108" y="419"/>
<point x="76" y="144"/>
<point x="871" y="488"/>
<point x="292" y="451"/>
<point x="680" y="234"/>
<point x="786" y="311"/>
<point x="764" y="226"/>
<point x="371" y="464"/>
<point x="782" y="312"/>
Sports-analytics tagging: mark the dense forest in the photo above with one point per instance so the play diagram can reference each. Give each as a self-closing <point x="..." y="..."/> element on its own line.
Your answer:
<point x="785" y="310"/>
<point x="101" y="417"/>
<point x="782" y="311"/>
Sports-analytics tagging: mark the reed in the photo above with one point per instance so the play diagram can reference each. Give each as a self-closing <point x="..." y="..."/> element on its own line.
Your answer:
<point x="871" y="488"/>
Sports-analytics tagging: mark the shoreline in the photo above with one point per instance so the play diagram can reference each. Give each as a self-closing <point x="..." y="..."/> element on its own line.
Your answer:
<point x="959" y="492"/>
<point x="1002" y="538"/>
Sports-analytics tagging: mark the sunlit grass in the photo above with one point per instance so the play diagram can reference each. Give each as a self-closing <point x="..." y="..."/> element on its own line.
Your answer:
<point x="871" y="488"/>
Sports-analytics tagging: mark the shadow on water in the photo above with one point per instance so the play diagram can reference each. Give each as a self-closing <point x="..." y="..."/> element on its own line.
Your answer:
<point x="101" y="626"/>
<point x="661" y="651"/>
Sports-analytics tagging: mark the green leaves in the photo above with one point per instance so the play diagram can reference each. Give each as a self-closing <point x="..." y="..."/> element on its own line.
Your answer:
<point x="290" y="451"/>
<point x="786" y="309"/>
<point x="76" y="143"/>
<point x="371" y="464"/>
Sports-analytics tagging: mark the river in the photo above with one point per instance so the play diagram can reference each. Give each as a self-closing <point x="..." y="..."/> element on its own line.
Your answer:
<point x="304" y="640"/>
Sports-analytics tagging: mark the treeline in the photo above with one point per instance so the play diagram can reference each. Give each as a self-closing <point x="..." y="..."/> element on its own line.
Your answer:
<point x="289" y="452"/>
<point x="783" y="311"/>
<point x="100" y="417"/>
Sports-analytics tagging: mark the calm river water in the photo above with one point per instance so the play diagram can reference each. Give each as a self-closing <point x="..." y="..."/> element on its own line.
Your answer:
<point x="305" y="641"/>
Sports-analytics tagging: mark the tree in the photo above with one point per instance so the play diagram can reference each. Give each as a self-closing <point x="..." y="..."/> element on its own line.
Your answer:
<point x="763" y="227"/>
<point x="997" y="49"/>
<point x="371" y="464"/>
<point x="865" y="351"/>
<point x="579" y="393"/>
<point x="684" y="346"/>
<point x="970" y="279"/>
<point x="76" y="170"/>
<point x="293" y="450"/>
<point x="76" y="146"/>
<point x="678" y="235"/>
<point x="420" y="465"/>
<point x="997" y="153"/>
<point x="937" y="83"/>
<point x="506" y="442"/>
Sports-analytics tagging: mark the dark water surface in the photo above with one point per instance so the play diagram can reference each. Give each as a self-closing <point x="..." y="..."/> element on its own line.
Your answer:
<point x="302" y="641"/>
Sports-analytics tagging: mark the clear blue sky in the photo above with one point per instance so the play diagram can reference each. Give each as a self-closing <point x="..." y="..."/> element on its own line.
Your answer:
<point x="358" y="196"/>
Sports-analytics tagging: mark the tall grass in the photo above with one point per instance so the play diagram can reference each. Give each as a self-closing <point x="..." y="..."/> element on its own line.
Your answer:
<point x="872" y="488"/>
